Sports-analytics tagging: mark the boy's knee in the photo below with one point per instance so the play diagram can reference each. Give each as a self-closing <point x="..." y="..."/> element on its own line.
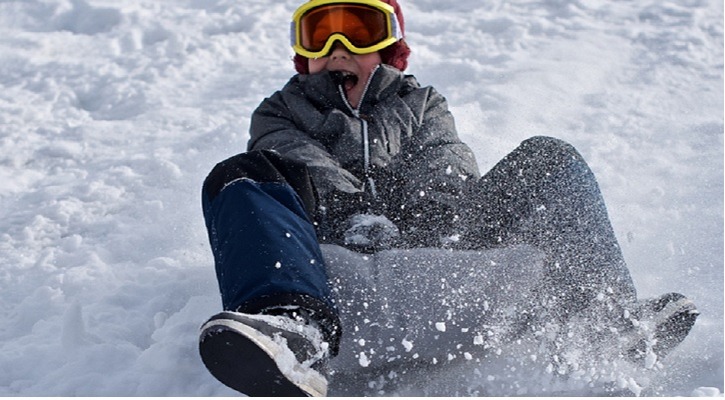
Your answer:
<point x="259" y="166"/>
<point x="551" y="148"/>
<point x="225" y="172"/>
<point x="548" y="144"/>
<point x="262" y="166"/>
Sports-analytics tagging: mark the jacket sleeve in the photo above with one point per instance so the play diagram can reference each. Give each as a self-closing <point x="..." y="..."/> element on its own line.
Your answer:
<point x="297" y="130"/>
<point x="435" y="167"/>
<point x="275" y="127"/>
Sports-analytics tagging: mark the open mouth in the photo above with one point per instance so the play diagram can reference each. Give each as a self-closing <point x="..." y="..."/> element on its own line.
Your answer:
<point x="346" y="79"/>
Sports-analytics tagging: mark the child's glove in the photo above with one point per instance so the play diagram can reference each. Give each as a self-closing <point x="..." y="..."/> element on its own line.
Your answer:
<point x="370" y="233"/>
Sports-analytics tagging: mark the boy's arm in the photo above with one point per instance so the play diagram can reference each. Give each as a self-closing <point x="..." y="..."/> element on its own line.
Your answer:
<point x="440" y="167"/>
<point x="327" y="174"/>
<point x="339" y="191"/>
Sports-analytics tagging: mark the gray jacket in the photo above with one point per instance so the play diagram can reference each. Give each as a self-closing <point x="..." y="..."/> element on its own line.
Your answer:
<point x="400" y="147"/>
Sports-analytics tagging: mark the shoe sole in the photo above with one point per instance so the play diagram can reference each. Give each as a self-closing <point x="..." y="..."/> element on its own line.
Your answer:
<point x="673" y="318"/>
<point x="675" y="327"/>
<point x="252" y="363"/>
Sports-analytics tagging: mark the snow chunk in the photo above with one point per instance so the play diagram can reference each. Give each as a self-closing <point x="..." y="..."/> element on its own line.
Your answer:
<point x="650" y="360"/>
<point x="364" y="361"/>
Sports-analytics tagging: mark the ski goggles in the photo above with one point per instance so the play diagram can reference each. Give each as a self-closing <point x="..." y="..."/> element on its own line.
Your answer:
<point x="362" y="26"/>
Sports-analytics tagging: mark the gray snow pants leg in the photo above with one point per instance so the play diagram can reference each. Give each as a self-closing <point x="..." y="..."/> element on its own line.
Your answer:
<point x="544" y="194"/>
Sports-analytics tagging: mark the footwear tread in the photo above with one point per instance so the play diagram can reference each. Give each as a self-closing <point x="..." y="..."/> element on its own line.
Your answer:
<point x="250" y="355"/>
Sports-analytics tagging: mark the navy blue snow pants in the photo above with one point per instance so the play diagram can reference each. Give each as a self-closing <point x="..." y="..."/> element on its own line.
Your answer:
<point x="257" y="208"/>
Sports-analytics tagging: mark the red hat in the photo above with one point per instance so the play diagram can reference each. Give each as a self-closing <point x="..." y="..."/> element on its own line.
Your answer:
<point x="395" y="55"/>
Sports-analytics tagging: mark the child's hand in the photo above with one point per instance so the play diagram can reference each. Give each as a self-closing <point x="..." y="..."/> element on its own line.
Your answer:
<point x="369" y="233"/>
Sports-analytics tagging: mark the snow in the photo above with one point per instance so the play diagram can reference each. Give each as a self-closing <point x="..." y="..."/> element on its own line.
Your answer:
<point x="112" y="113"/>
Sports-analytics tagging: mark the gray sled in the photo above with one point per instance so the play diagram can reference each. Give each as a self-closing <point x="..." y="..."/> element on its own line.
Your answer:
<point x="428" y="306"/>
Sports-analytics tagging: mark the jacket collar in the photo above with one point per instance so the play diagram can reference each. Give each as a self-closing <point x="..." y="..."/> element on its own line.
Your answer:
<point x="321" y="90"/>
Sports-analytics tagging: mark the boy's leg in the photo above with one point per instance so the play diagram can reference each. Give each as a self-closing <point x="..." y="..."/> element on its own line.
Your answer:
<point x="544" y="194"/>
<point x="257" y="207"/>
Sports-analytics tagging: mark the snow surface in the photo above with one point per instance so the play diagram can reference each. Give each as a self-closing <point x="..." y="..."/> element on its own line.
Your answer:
<point x="112" y="113"/>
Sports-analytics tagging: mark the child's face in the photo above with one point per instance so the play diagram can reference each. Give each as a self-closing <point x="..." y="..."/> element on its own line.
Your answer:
<point x="358" y="66"/>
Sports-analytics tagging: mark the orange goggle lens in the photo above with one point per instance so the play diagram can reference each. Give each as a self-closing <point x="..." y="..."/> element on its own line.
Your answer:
<point x="362" y="26"/>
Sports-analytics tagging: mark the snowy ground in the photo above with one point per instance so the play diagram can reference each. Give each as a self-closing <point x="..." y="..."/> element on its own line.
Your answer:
<point x="112" y="113"/>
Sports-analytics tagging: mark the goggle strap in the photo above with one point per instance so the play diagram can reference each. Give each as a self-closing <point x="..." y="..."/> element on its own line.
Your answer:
<point x="293" y="33"/>
<point x="396" y="33"/>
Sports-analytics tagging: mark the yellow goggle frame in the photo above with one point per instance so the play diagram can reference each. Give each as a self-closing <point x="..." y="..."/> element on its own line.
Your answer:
<point x="392" y="28"/>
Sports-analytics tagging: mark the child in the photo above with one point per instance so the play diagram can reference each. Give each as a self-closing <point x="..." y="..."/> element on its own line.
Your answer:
<point x="355" y="153"/>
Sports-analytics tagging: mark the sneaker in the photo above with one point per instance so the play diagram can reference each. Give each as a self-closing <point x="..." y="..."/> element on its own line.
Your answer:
<point x="666" y="321"/>
<point x="265" y="355"/>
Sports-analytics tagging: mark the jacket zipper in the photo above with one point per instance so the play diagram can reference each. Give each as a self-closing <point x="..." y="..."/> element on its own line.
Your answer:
<point x="366" y="136"/>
